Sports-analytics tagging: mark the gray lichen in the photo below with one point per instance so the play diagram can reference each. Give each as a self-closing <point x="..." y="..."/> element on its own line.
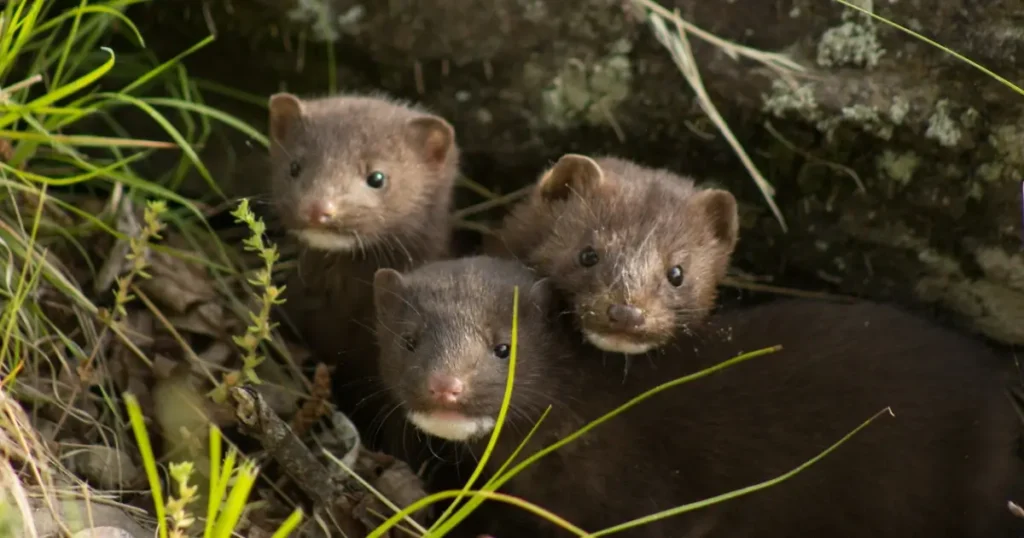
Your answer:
<point x="854" y="42"/>
<point x="588" y="92"/>
<point x="941" y="126"/>
<point x="899" y="109"/>
<point x="324" y="19"/>
<point x="899" y="166"/>
<point x="991" y="172"/>
<point x="1008" y="140"/>
<point x="784" y="99"/>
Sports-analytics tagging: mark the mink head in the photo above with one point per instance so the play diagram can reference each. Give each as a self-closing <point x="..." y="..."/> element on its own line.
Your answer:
<point x="445" y="333"/>
<point x="354" y="172"/>
<point x="638" y="252"/>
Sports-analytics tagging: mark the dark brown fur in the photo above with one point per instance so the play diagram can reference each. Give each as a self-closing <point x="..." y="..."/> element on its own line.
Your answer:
<point x="943" y="466"/>
<point x="334" y="144"/>
<point x="641" y="223"/>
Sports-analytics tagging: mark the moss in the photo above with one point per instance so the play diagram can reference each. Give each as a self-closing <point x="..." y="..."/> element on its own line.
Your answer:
<point x="587" y="92"/>
<point x="899" y="166"/>
<point x="854" y="42"/>
<point x="941" y="126"/>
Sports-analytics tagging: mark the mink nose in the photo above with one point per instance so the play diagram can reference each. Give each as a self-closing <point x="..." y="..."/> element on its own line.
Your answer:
<point x="445" y="388"/>
<point x="625" y="315"/>
<point x="320" y="212"/>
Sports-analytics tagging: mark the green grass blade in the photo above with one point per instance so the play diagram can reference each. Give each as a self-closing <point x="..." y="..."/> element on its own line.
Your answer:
<point x="289" y="524"/>
<point x="148" y="460"/>
<point x="57" y="94"/>
<point x="165" y="66"/>
<point x="57" y="76"/>
<point x="936" y="44"/>
<point x="499" y="481"/>
<point x="742" y="491"/>
<point x="443" y="525"/>
<point x="85" y="140"/>
<point x="173" y="132"/>
<point x="228" y="519"/>
<point x="482" y="496"/>
<point x="216" y="492"/>
<point x="53" y="22"/>
<point x="211" y="112"/>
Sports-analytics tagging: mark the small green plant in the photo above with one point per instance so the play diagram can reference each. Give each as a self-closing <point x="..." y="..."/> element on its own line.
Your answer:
<point x="230" y="486"/>
<point x="260" y="328"/>
<point x="180" y="518"/>
<point x="138" y="249"/>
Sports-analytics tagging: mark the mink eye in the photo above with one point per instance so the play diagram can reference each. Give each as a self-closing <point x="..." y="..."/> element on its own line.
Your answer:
<point x="588" y="257"/>
<point x="502" y="351"/>
<point x="295" y="169"/>
<point x="376" y="179"/>
<point x="409" y="342"/>
<point x="675" y="276"/>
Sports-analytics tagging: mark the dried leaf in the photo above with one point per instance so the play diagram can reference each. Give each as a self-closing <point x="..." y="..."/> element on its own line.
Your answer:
<point x="176" y="283"/>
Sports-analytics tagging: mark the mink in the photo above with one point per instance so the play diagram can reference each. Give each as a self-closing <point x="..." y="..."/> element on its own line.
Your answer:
<point x="637" y="252"/>
<point x="944" y="465"/>
<point x="362" y="182"/>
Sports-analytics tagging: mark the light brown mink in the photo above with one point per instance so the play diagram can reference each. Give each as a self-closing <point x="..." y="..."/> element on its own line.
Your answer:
<point x="637" y="252"/>
<point x="362" y="182"/>
<point x="945" y="465"/>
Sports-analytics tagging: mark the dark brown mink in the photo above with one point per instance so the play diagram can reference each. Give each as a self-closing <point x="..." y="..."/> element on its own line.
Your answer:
<point x="637" y="252"/>
<point x="944" y="465"/>
<point x="362" y="182"/>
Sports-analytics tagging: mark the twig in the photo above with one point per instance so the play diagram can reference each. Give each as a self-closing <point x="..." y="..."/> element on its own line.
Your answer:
<point x="779" y="290"/>
<point x="679" y="47"/>
<point x="6" y="92"/>
<point x="260" y="422"/>
<point x="809" y="156"/>
<point x="492" y="203"/>
<point x="772" y="60"/>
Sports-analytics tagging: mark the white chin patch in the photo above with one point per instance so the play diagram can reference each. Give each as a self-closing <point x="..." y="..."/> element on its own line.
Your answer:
<point x="616" y="344"/>
<point x="452" y="427"/>
<point x="322" y="240"/>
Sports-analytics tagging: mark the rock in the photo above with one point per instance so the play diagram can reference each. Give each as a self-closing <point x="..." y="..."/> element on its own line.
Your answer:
<point x="896" y="166"/>
<point x="76" y="516"/>
<point x="107" y="467"/>
<point x="104" y="532"/>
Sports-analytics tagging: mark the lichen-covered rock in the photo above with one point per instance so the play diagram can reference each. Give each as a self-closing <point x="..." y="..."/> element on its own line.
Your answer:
<point x="896" y="166"/>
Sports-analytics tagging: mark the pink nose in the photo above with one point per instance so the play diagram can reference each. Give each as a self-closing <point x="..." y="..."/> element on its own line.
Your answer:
<point x="320" y="212"/>
<point x="445" y="388"/>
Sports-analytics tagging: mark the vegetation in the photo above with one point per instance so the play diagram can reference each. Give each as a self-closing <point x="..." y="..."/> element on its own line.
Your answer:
<point x="112" y="280"/>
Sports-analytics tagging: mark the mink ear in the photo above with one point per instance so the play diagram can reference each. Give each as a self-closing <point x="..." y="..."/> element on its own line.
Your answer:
<point x="388" y="288"/>
<point x="433" y="137"/>
<point x="717" y="209"/>
<point x="571" y="173"/>
<point x="541" y="295"/>
<point x="285" y="112"/>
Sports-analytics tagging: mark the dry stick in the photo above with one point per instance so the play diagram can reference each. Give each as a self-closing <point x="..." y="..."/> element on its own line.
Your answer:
<point x="772" y="60"/>
<point x="679" y="48"/>
<point x="779" y="290"/>
<point x="260" y="422"/>
<point x="492" y="203"/>
<point x="325" y="485"/>
<point x="815" y="159"/>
